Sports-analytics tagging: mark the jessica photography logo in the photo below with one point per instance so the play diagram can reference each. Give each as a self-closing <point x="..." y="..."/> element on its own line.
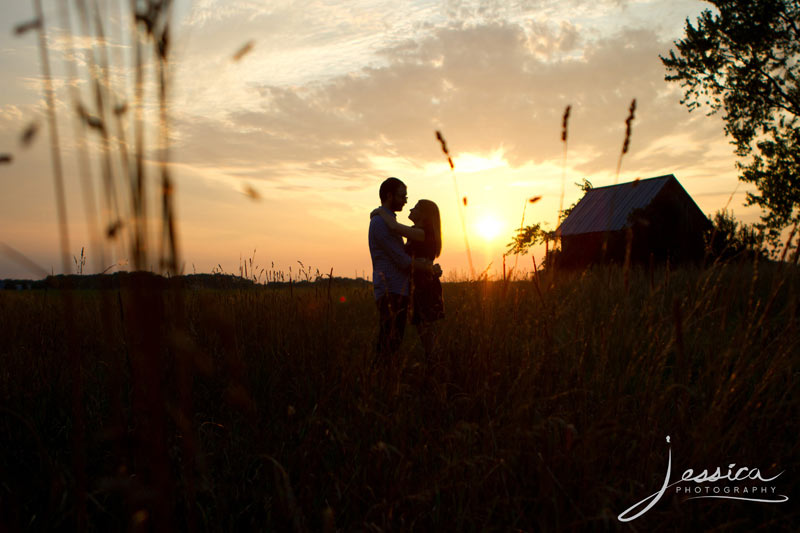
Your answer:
<point x="733" y="483"/>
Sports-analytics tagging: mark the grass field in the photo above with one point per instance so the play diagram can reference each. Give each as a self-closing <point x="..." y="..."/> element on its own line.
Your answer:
<point x="547" y="406"/>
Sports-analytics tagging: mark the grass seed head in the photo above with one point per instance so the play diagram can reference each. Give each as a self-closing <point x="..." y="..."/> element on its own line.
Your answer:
<point x="113" y="229"/>
<point x="251" y="193"/>
<point x="564" y="122"/>
<point x="442" y="142"/>
<point x="25" y="27"/>
<point x="628" y="121"/>
<point x="244" y="50"/>
<point x="444" y="149"/>
<point x="29" y="133"/>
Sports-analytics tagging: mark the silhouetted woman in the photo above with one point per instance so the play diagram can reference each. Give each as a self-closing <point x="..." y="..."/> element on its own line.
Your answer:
<point x="425" y="242"/>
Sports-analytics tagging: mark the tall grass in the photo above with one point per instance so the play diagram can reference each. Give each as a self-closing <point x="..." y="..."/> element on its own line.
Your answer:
<point x="462" y="203"/>
<point x="546" y="407"/>
<point x="105" y="131"/>
<point x="111" y="125"/>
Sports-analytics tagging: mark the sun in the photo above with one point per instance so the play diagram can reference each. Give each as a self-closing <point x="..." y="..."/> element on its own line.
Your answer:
<point x="488" y="227"/>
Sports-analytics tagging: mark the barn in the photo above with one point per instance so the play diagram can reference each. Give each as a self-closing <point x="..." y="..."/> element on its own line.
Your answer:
<point x="656" y="216"/>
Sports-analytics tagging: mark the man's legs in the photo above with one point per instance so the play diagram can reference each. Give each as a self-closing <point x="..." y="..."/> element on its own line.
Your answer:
<point x="392" y="310"/>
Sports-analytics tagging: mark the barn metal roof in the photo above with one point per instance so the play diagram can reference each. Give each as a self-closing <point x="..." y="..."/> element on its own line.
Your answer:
<point x="607" y="208"/>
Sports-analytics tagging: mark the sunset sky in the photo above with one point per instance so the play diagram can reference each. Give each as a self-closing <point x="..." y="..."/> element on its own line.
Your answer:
<point x="336" y="96"/>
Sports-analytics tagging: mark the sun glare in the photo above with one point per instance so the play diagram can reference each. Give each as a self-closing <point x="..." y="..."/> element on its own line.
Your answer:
<point x="488" y="227"/>
<point x="468" y="163"/>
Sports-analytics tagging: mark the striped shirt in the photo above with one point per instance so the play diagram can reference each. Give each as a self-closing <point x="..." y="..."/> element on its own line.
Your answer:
<point x="390" y="263"/>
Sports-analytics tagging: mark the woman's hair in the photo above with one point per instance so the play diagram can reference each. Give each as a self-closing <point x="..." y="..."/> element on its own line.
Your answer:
<point x="432" y="224"/>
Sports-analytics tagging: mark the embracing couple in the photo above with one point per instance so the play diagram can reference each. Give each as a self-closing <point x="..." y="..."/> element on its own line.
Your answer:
<point x="404" y="277"/>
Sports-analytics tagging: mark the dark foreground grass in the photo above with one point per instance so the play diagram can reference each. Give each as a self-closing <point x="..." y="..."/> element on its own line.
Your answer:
<point x="546" y="408"/>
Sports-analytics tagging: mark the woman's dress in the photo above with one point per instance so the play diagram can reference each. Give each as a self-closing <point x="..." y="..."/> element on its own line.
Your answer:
<point x="427" y="304"/>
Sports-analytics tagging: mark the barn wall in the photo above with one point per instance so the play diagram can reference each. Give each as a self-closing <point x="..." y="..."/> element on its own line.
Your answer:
<point x="670" y="227"/>
<point x="579" y="251"/>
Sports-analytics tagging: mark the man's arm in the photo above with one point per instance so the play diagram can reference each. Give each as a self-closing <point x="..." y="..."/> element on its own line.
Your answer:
<point x="409" y="232"/>
<point x="389" y="244"/>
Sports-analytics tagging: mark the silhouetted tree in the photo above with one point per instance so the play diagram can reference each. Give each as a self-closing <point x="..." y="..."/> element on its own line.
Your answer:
<point x="533" y="234"/>
<point x="745" y="61"/>
<point x="585" y="186"/>
<point x="730" y="238"/>
<point x="526" y="238"/>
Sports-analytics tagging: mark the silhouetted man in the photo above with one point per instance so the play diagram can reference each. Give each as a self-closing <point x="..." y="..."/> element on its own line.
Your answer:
<point x="390" y="269"/>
